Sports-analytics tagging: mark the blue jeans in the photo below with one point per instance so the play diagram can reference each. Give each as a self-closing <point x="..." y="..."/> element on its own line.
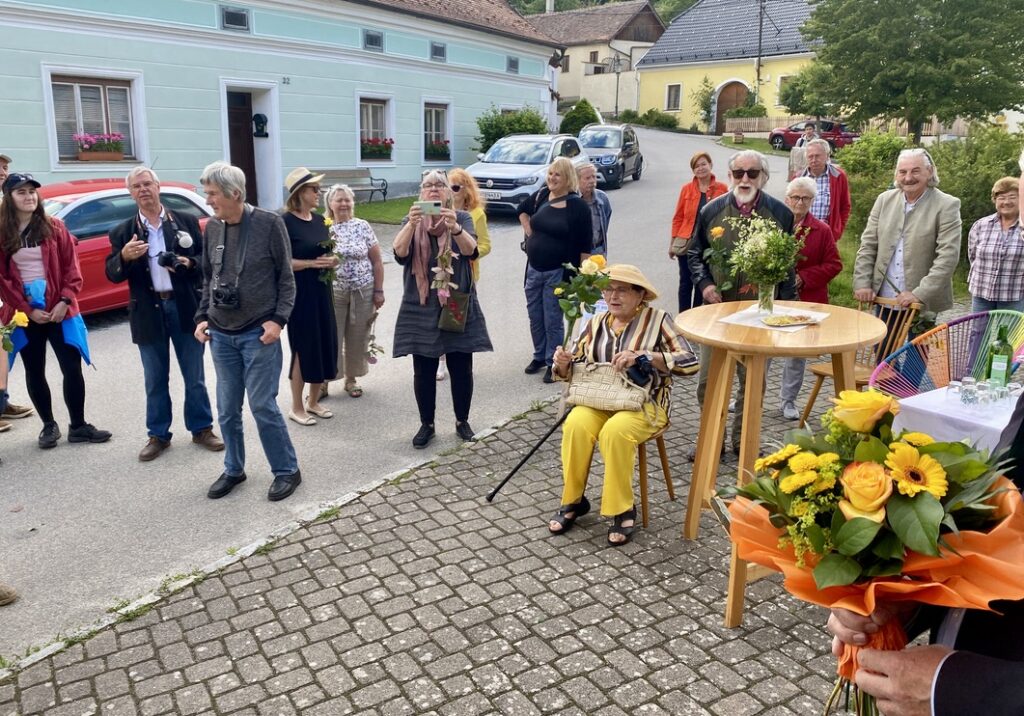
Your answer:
<point x="245" y="366"/>
<point x="546" y="321"/>
<point x="983" y="304"/>
<point x="156" y="367"/>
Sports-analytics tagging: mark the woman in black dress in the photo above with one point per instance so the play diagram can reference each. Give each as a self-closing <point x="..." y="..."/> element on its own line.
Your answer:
<point x="312" y="334"/>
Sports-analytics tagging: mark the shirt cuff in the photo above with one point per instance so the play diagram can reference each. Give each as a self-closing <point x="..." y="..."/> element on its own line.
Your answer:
<point x="935" y="679"/>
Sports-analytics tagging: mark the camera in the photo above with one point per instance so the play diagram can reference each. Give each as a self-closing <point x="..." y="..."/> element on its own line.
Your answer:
<point x="225" y="296"/>
<point x="167" y="259"/>
<point x="641" y="371"/>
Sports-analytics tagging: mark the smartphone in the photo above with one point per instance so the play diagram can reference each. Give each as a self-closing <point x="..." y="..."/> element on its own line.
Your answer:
<point x="429" y="207"/>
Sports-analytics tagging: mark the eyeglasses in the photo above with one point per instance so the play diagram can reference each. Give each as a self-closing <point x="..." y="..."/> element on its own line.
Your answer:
<point x="456" y="187"/>
<point x="801" y="199"/>
<point x="434" y="185"/>
<point x="614" y="290"/>
<point x="752" y="173"/>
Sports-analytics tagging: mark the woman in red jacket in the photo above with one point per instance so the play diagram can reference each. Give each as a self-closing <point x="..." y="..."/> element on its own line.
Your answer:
<point x="692" y="198"/>
<point x="817" y="264"/>
<point x="39" y="275"/>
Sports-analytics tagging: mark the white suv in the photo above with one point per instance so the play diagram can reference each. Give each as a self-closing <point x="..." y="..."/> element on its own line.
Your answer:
<point x="517" y="165"/>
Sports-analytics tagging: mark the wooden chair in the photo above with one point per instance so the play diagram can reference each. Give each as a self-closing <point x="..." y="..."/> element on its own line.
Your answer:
<point x="892" y="315"/>
<point x="950" y="351"/>
<point x="659" y="439"/>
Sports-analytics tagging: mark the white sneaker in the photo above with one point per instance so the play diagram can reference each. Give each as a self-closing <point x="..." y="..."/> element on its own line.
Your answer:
<point x="789" y="411"/>
<point x="441" y="371"/>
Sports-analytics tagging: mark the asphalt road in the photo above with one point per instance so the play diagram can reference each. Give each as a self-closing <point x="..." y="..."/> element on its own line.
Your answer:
<point x="84" y="526"/>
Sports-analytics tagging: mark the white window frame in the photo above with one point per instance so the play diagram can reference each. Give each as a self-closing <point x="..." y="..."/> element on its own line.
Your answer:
<point x="444" y="51"/>
<point x="389" y="129"/>
<point x="136" y="98"/>
<point x="679" y="106"/>
<point x="222" y="9"/>
<point x="449" y="122"/>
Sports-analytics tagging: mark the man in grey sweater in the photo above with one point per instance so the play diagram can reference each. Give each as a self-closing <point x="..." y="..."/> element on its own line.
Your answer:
<point x="247" y="297"/>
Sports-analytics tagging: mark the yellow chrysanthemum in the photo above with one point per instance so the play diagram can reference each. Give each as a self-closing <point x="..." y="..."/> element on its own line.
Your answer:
<point x="803" y="461"/>
<point x="917" y="439"/>
<point x="776" y="458"/>
<point x="794" y="482"/>
<point x="559" y="291"/>
<point x="914" y="472"/>
<point x="799" y="508"/>
<point x="826" y="459"/>
<point x="824" y="482"/>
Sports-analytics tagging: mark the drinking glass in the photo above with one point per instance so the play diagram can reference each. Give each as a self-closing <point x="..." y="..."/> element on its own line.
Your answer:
<point x="1014" y="388"/>
<point x="1001" y="397"/>
<point x="984" y="393"/>
<point x="953" y="390"/>
<point x="969" y="392"/>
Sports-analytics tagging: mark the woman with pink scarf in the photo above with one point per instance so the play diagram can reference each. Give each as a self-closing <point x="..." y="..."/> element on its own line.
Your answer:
<point x="426" y="242"/>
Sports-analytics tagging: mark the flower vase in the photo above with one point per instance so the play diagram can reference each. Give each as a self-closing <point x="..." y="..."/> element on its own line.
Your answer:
<point x="766" y="298"/>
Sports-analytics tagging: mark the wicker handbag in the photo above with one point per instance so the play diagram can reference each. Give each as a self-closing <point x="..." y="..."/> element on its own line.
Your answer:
<point x="600" y="386"/>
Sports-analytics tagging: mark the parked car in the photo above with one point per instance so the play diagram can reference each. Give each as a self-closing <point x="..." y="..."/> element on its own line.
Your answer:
<point x="615" y="151"/>
<point x="835" y="133"/>
<point x="91" y="208"/>
<point x="517" y="165"/>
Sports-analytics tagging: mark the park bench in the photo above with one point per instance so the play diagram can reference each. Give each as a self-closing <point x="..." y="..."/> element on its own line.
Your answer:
<point x="358" y="180"/>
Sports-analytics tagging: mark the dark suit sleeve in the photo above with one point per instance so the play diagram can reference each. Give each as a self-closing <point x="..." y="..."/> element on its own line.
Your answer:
<point x="968" y="683"/>
<point x="695" y="252"/>
<point x="195" y="251"/>
<point x="116" y="268"/>
<point x="207" y="269"/>
<point x="281" y="249"/>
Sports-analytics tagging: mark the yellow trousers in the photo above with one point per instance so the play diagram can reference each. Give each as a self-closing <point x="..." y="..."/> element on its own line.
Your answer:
<point x="617" y="434"/>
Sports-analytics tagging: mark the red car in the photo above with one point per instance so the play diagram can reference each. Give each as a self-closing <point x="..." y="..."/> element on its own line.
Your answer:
<point x="835" y="133"/>
<point x="91" y="208"/>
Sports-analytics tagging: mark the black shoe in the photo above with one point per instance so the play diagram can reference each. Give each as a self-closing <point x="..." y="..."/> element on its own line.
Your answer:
<point x="692" y="455"/>
<point x="534" y="367"/>
<point x="224" y="484"/>
<point x="423" y="436"/>
<point x="49" y="436"/>
<point x="87" y="434"/>
<point x="284" y="485"/>
<point x="548" y="378"/>
<point x="465" y="432"/>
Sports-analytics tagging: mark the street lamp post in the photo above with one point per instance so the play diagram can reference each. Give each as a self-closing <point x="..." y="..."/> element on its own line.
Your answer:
<point x="615" y="64"/>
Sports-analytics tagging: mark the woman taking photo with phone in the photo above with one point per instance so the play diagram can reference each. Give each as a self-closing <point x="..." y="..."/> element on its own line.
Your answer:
<point x="434" y="235"/>
<point x="39" y="276"/>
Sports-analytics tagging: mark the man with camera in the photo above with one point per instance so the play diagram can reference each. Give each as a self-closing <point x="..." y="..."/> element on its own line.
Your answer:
<point x="247" y="297"/>
<point x="157" y="252"/>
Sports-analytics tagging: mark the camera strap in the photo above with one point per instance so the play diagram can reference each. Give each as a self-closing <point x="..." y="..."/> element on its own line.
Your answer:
<point x="220" y="249"/>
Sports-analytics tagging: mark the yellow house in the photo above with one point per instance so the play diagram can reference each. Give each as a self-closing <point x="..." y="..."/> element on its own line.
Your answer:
<point x="741" y="46"/>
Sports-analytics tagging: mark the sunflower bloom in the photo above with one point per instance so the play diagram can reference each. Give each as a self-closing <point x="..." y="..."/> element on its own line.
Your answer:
<point x="917" y="439"/>
<point x="914" y="472"/>
<point x="794" y="482"/>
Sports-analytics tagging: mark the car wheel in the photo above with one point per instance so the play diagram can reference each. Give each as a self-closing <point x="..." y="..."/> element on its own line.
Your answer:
<point x="614" y="183"/>
<point x="778" y="142"/>
<point x="639" y="168"/>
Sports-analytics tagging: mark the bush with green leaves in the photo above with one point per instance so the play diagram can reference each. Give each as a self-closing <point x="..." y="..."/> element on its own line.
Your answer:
<point x="495" y="124"/>
<point x="629" y="115"/>
<point x="582" y="114"/>
<point x="657" y="118"/>
<point x="869" y="165"/>
<point x="747" y="110"/>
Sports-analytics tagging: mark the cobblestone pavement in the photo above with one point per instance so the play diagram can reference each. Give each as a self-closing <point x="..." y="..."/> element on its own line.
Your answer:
<point x="421" y="597"/>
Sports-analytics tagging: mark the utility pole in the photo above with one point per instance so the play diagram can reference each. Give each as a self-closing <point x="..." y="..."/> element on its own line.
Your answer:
<point x="760" y="36"/>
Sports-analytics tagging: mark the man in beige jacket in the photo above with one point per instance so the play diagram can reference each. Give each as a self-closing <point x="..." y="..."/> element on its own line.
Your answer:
<point x="911" y="244"/>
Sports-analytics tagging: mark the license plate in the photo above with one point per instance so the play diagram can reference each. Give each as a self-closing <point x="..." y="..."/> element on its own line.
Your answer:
<point x="492" y="195"/>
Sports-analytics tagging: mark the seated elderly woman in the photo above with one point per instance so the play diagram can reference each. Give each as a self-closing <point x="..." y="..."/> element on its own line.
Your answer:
<point x="629" y="332"/>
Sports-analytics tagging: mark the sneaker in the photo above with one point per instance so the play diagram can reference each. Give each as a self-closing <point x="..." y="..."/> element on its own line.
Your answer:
<point x="789" y="411"/>
<point x="49" y="436"/>
<point x="87" y="433"/>
<point x="14" y="412"/>
<point x="534" y="367"/>
<point x="153" y="449"/>
<point x="423" y="436"/>
<point x="692" y="455"/>
<point x="7" y="595"/>
<point x="548" y="378"/>
<point x="465" y="432"/>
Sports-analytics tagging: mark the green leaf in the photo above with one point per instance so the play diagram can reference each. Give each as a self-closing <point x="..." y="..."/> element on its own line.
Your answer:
<point x="763" y="488"/>
<point x="564" y="304"/>
<point x="885" y="568"/>
<point x="871" y="450"/>
<point x="816" y="536"/>
<point x="888" y="546"/>
<point x="855" y="535"/>
<point x="973" y="494"/>
<point x="915" y="520"/>
<point x="836" y="570"/>
<point x="838" y="520"/>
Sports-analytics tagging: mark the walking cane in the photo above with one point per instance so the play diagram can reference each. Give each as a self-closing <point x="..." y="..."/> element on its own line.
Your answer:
<point x="535" y="448"/>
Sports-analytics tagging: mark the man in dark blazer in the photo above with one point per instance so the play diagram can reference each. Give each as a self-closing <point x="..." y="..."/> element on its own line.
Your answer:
<point x="975" y="664"/>
<point x="158" y="252"/>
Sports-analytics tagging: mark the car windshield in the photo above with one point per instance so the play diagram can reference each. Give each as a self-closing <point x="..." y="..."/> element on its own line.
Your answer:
<point x="601" y="139"/>
<point x="518" y="152"/>
<point x="52" y="206"/>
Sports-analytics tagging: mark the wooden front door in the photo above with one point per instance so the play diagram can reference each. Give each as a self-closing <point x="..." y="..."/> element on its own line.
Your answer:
<point x="243" y="155"/>
<point x="732" y="95"/>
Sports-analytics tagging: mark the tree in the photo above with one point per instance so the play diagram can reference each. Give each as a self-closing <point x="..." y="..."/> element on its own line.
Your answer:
<point x="582" y="114"/>
<point x="704" y="98"/>
<point x="912" y="59"/>
<point x="809" y="91"/>
<point x="495" y="124"/>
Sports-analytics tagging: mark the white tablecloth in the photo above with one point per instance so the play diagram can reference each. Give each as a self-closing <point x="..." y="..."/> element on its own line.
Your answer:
<point x="949" y="420"/>
<point x="751" y="318"/>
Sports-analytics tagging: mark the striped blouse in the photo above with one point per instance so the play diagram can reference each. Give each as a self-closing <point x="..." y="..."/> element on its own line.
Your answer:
<point x="652" y="331"/>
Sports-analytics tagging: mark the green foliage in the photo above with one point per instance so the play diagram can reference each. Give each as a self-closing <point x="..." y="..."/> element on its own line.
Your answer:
<point x="704" y="98"/>
<point x="629" y="115"/>
<point x="808" y="92"/>
<point x="869" y="165"/>
<point x="912" y="59"/>
<point x="582" y="114"/>
<point x="581" y="292"/>
<point x="836" y="570"/>
<point x="747" y="110"/>
<point x="495" y="124"/>
<point x="656" y="118"/>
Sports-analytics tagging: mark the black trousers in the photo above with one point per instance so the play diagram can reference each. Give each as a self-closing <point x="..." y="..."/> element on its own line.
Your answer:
<point x="33" y="355"/>
<point x="689" y="295"/>
<point x="424" y="383"/>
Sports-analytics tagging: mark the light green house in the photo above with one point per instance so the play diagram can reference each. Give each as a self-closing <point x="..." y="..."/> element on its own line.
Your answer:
<point x="267" y="85"/>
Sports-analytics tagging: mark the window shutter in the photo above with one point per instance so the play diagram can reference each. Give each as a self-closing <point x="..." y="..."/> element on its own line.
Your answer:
<point x="119" y="107"/>
<point x="91" y="98"/>
<point x="66" y="119"/>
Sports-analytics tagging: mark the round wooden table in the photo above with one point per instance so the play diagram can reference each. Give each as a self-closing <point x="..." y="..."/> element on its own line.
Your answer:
<point x="840" y="335"/>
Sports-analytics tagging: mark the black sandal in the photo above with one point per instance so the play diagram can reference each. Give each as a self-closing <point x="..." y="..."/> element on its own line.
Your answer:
<point x="618" y="529"/>
<point x="561" y="517"/>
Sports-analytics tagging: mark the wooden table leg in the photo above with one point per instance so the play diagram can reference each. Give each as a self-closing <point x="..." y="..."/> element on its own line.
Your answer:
<point x="710" y="436"/>
<point x="750" y="445"/>
<point x="844" y="371"/>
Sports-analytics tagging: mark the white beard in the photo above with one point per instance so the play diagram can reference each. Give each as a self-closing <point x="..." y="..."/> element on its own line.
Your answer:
<point x="744" y="196"/>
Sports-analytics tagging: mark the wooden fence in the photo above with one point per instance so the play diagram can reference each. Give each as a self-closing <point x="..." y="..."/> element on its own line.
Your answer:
<point x="935" y="128"/>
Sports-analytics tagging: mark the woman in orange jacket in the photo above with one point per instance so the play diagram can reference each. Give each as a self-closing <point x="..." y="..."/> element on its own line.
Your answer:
<point x="692" y="198"/>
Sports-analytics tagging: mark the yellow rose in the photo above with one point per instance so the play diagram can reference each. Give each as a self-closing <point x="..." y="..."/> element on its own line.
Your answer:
<point x="860" y="412"/>
<point x="792" y="483"/>
<point x="559" y="291"/>
<point x="867" y="487"/>
<point x="589" y="267"/>
<point x="20" y="319"/>
<point x="599" y="260"/>
<point x="717" y="232"/>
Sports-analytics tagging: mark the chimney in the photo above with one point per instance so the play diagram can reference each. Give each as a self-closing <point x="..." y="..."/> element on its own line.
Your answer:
<point x="549" y="6"/>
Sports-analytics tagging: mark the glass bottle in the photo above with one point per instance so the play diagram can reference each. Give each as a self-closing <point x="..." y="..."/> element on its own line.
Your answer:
<point x="1000" y="359"/>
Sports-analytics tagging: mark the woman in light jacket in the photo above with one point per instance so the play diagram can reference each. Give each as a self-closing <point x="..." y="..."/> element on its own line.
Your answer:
<point x="692" y="198"/>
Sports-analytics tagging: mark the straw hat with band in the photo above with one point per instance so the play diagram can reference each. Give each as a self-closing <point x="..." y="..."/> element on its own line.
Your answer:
<point x="298" y="178"/>
<point x="627" y="273"/>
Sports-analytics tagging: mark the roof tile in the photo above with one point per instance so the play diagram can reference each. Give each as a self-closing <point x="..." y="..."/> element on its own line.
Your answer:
<point x="494" y="16"/>
<point x="588" y="25"/>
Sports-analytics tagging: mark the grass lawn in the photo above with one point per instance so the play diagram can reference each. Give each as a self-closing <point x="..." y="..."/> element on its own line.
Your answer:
<point x="391" y="211"/>
<point x="756" y="143"/>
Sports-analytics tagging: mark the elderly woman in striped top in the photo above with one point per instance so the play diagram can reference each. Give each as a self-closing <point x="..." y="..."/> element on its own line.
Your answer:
<point x="629" y="332"/>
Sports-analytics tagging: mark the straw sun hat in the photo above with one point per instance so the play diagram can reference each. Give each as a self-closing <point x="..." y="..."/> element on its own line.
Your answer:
<point x="632" y="275"/>
<point x="298" y="178"/>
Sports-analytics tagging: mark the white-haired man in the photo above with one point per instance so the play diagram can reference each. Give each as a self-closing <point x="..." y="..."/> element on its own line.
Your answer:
<point x="832" y="200"/>
<point x="911" y="244"/>
<point x="600" y="207"/>
<point x="748" y="171"/>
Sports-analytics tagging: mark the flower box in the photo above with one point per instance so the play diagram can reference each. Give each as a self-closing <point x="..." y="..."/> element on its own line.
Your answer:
<point x="438" y="151"/>
<point x="92" y="156"/>
<point x="376" y="149"/>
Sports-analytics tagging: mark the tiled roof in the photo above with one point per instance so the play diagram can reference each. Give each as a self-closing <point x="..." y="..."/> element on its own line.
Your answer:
<point x="492" y="16"/>
<point x="727" y="29"/>
<point x="588" y="25"/>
